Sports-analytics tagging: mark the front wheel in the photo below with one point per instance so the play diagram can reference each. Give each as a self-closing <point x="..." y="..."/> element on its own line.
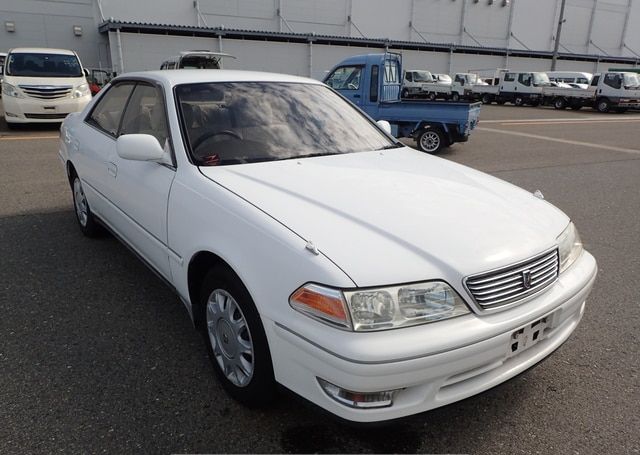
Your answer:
<point x="235" y="338"/>
<point x="486" y="99"/>
<point x="604" y="105"/>
<point x="455" y="97"/>
<point x="518" y="101"/>
<point x="405" y="93"/>
<point x="560" y="103"/>
<point x="87" y="222"/>
<point x="431" y="96"/>
<point x="431" y="140"/>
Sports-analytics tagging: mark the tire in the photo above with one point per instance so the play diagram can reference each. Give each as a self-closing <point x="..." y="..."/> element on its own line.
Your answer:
<point x="486" y="99"/>
<point x="431" y="140"/>
<point x="518" y="101"/>
<point x="455" y="97"/>
<point x="603" y="105"/>
<point x="405" y="93"/>
<point x="235" y="338"/>
<point x="87" y="222"/>
<point x="560" y="103"/>
<point x="431" y="96"/>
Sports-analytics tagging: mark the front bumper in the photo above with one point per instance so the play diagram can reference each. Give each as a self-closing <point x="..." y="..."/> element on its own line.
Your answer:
<point x="432" y="365"/>
<point x="32" y="110"/>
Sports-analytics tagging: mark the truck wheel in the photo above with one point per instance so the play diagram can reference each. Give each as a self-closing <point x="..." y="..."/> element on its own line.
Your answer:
<point x="405" y="93"/>
<point x="455" y="97"/>
<point x="486" y="99"/>
<point x="431" y="140"/>
<point x="518" y="101"/>
<point x="431" y="96"/>
<point x="604" y="105"/>
<point x="560" y="103"/>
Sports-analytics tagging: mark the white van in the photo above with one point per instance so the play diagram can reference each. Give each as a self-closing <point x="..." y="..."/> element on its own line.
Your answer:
<point x="204" y="60"/>
<point x="414" y="83"/>
<point x="571" y="77"/>
<point x="42" y="85"/>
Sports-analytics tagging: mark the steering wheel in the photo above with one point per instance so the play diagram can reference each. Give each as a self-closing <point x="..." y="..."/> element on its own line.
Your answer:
<point x="352" y="86"/>
<point x="210" y="134"/>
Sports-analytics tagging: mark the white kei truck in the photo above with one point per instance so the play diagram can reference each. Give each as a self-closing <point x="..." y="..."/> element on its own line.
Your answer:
<point x="518" y="88"/>
<point x="611" y="91"/>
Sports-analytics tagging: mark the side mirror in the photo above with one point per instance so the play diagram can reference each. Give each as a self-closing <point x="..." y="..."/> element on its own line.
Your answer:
<point x="385" y="126"/>
<point x="139" y="147"/>
<point x="86" y="73"/>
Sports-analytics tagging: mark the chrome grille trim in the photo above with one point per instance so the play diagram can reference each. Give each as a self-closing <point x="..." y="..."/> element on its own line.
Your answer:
<point x="46" y="92"/>
<point x="506" y="285"/>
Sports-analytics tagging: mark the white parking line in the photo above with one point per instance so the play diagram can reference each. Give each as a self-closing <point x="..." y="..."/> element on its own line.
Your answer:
<point x="25" y="138"/>
<point x="562" y="141"/>
<point x="585" y="119"/>
<point x="565" y="122"/>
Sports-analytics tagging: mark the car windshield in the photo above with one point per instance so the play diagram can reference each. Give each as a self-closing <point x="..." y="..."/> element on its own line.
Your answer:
<point x="200" y="62"/>
<point x="631" y="81"/>
<point x="43" y="65"/>
<point x="422" y="76"/>
<point x="245" y="122"/>
<point x="540" y="79"/>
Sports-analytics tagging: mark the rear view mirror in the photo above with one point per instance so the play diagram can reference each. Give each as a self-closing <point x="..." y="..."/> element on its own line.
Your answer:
<point x="139" y="147"/>
<point x="385" y="126"/>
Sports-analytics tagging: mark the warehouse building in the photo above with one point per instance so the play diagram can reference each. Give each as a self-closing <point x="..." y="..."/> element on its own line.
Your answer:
<point x="307" y="37"/>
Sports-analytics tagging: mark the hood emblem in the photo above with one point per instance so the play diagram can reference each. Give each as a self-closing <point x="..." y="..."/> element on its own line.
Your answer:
<point x="526" y="279"/>
<point x="538" y="194"/>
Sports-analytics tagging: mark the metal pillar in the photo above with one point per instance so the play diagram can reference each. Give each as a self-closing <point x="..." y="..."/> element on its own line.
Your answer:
<point x="558" y="33"/>
<point x="463" y="15"/>
<point x="591" y="21"/>
<point x="119" y="48"/>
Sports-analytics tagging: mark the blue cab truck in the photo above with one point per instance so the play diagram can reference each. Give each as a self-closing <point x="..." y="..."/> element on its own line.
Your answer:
<point x="373" y="83"/>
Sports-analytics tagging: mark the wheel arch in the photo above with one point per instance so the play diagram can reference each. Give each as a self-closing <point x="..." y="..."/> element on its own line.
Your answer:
<point x="200" y="263"/>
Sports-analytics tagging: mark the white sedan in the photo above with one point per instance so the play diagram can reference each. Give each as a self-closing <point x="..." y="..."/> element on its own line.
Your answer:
<point x="314" y="250"/>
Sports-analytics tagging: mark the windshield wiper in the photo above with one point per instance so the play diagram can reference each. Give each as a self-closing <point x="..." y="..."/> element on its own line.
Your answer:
<point x="391" y="146"/>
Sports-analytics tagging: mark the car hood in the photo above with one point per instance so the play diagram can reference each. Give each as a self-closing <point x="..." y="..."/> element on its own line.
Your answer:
<point x="398" y="215"/>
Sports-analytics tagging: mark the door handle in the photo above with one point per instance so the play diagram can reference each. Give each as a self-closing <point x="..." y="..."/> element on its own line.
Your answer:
<point x="112" y="169"/>
<point x="356" y="96"/>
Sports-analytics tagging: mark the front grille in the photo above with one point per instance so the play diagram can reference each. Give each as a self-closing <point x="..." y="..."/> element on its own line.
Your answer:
<point x="508" y="284"/>
<point x="46" y="92"/>
<point x="46" y="116"/>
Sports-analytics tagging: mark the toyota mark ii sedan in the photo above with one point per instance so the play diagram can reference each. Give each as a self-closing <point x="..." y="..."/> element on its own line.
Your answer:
<point x="315" y="251"/>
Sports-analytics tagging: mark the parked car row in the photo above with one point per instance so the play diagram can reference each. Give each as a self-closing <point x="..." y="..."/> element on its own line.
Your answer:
<point x="609" y="91"/>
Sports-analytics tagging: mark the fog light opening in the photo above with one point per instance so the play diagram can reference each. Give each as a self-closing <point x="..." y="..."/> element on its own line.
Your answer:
<point x="358" y="400"/>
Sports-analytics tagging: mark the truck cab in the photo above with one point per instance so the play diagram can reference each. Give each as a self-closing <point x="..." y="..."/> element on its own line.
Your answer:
<point x="414" y="81"/>
<point x="615" y="90"/>
<point x="518" y="88"/>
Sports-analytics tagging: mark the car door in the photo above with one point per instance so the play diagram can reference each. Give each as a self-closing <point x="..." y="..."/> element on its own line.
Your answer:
<point x="92" y="142"/>
<point x="139" y="190"/>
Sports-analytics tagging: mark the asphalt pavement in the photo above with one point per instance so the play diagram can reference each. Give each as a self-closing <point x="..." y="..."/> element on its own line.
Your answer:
<point x="97" y="355"/>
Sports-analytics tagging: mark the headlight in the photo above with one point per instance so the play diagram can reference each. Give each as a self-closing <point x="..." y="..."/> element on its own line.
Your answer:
<point x="380" y="308"/>
<point x="10" y="90"/>
<point x="81" y="90"/>
<point x="569" y="247"/>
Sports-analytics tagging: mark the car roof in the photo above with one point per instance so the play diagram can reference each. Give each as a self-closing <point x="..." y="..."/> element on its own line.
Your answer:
<point x="40" y="50"/>
<point x="191" y="76"/>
